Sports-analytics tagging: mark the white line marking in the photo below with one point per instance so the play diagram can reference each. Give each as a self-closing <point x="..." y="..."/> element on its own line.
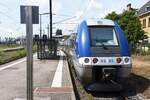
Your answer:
<point x="19" y="99"/>
<point x="15" y="63"/>
<point x="57" y="80"/>
<point x="35" y="90"/>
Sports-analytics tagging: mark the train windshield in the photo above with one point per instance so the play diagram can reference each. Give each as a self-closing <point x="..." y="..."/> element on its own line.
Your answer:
<point x="101" y="36"/>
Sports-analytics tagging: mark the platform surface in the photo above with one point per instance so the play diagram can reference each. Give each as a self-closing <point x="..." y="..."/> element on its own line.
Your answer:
<point x="52" y="80"/>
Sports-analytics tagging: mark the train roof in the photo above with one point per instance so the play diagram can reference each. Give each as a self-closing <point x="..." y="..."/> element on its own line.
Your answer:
<point x="95" y="22"/>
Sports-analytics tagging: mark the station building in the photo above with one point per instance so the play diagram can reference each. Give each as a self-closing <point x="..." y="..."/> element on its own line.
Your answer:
<point x="144" y="15"/>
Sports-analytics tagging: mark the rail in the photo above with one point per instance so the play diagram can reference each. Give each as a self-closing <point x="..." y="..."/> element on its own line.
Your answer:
<point x="11" y="49"/>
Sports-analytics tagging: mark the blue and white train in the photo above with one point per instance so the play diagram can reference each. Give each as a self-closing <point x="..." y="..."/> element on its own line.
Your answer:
<point x="99" y="51"/>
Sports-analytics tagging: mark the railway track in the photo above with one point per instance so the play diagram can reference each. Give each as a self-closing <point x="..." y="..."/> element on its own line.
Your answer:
<point x="11" y="49"/>
<point x="136" y="97"/>
<point x="82" y="94"/>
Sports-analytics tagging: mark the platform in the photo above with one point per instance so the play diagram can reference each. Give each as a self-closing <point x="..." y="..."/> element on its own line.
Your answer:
<point x="51" y="80"/>
<point x="61" y="86"/>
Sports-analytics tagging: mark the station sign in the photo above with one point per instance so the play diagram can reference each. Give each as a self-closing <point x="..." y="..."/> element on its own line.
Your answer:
<point x="29" y="16"/>
<point x="35" y="14"/>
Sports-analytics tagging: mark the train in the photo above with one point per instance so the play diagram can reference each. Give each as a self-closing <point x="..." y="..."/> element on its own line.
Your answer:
<point x="99" y="52"/>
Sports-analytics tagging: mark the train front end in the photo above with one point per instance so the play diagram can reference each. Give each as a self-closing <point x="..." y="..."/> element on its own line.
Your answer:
<point x="102" y="52"/>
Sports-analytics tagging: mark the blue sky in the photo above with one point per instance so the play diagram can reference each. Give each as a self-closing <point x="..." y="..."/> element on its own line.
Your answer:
<point x="10" y="13"/>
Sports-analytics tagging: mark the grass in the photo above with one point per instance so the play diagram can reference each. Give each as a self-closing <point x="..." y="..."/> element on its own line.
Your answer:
<point x="141" y="79"/>
<point x="12" y="55"/>
<point x="141" y="57"/>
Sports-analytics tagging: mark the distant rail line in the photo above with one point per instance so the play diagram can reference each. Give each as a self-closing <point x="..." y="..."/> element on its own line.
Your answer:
<point x="11" y="49"/>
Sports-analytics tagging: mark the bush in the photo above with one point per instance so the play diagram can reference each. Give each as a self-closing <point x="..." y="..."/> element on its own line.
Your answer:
<point x="1" y="53"/>
<point x="13" y="55"/>
<point x="21" y="53"/>
<point x="131" y="25"/>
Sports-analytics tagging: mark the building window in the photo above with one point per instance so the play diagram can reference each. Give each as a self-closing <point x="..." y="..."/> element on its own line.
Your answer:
<point x="144" y="23"/>
<point x="147" y="8"/>
<point x="149" y="22"/>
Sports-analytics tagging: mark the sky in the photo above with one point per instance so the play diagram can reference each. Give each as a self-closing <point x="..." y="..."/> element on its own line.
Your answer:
<point x="75" y="10"/>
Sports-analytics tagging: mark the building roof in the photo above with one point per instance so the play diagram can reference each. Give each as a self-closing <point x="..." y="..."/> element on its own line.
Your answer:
<point x="144" y="9"/>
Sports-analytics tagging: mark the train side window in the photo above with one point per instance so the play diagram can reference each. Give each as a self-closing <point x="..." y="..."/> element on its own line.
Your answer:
<point x="71" y="43"/>
<point x="74" y="40"/>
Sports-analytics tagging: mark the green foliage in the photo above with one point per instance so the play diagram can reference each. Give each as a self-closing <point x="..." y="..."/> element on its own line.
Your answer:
<point x="58" y="32"/>
<point x="1" y="53"/>
<point x="66" y="37"/>
<point x="5" y="46"/>
<point x="113" y="16"/>
<point x="13" y="55"/>
<point x="130" y="24"/>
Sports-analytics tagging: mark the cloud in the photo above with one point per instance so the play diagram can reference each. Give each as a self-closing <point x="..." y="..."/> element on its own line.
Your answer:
<point x="98" y="10"/>
<point x="35" y="2"/>
<point x="7" y="32"/>
<point x="105" y="12"/>
<point x="96" y="4"/>
<point x="79" y="14"/>
<point x="56" y="7"/>
<point x="93" y="8"/>
<point x="44" y="5"/>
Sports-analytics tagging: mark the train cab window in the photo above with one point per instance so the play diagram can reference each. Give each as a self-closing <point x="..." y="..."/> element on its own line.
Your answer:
<point x="103" y="36"/>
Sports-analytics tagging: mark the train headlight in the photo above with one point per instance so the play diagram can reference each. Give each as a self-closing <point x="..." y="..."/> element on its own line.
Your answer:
<point x="126" y="60"/>
<point x="118" y="60"/>
<point x="86" y="60"/>
<point x="95" y="60"/>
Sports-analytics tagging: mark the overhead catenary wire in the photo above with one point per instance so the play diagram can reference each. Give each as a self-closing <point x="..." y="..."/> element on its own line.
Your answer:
<point x="13" y="21"/>
<point x="4" y="5"/>
<point x="67" y="19"/>
<point x="10" y="18"/>
<point x="85" y="10"/>
<point x="69" y="23"/>
<point x="78" y="17"/>
<point x="7" y="9"/>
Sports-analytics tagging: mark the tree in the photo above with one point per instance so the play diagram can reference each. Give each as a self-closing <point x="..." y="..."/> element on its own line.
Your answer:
<point x="58" y="32"/>
<point x="130" y="23"/>
<point x="113" y="16"/>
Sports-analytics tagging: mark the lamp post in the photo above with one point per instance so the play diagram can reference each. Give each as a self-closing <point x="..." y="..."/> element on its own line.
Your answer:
<point x="50" y="23"/>
<point x="40" y="25"/>
<point x="40" y="15"/>
<point x="50" y="10"/>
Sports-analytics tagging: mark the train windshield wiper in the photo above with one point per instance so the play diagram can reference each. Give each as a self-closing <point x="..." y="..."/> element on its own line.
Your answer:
<point x="103" y="45"/>
<point x="100" y="43"/>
